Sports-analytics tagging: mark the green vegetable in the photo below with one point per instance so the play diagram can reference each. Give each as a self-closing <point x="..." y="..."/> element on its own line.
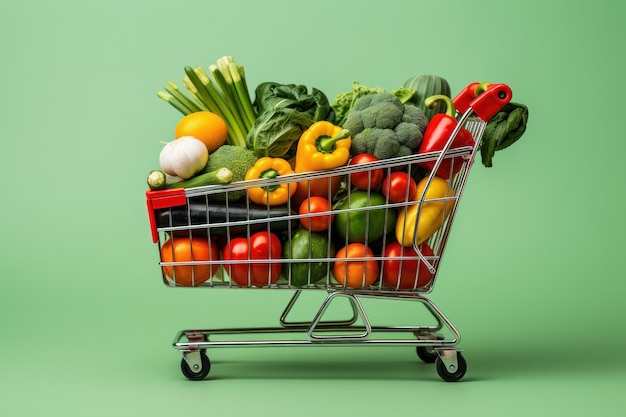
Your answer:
<point x="406" y="95"/>
<point x="383" y="126"/>
<point x="503" y="130"/>
<point x="344" y="102"/>
<point x="284" y="111"/>
<point x="426" y="85"/>
<point x="238" y="160"/>
<point x="156" y="179"/>
<point x="227" y="97"/>
<point x="367" y="219"/>
<point x="308" y="245"/>
<point x="216" y="177"/>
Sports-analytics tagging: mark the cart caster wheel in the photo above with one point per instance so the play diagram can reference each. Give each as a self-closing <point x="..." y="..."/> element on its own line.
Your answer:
<point x="427" y="354"/>
<point x="194" y="375"/>
<point x="451" y="375"/>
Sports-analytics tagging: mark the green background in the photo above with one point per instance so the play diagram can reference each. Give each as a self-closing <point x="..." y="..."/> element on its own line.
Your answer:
<point x="532" y="275"/>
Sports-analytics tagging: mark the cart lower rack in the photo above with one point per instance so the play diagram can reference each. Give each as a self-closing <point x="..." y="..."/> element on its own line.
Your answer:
<point x="374" y="246"/>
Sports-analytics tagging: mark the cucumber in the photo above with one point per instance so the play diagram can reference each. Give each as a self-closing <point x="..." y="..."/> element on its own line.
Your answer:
<point x="156" y="179"/>
<point x="427" y="85"/>
<point x="216" y="177"/>
<point x="307" y="245"/>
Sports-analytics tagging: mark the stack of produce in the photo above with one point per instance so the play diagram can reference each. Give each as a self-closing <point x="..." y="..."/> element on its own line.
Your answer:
<point x="225" y="136"/>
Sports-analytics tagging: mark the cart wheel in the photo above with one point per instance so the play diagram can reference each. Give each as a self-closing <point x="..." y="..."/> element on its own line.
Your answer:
<point x="451" y="375"/>
<point x="427" y="354"/>
<point x="193" y="375"/>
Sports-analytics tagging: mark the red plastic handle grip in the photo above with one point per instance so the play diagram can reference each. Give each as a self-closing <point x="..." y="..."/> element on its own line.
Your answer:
<point x="465" y="97"/>
<point x="487" y="104"/>
<point x="162" y="199"/>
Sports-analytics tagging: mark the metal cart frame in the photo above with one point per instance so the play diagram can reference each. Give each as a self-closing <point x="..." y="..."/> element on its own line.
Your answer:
<point x="434" y="343"/>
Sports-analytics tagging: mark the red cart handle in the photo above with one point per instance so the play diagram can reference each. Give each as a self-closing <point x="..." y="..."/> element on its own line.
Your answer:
<point x="162" y="199"/>
<point x="485" y="99"/>
<point x="491" y="101"/>
<point x="462" y="100"/>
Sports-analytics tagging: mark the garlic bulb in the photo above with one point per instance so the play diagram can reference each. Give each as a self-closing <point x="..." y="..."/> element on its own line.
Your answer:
<point x="184" y="157"/>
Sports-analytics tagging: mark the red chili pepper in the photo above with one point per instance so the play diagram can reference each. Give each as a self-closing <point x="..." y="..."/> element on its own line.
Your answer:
<point x="437" y="134"/>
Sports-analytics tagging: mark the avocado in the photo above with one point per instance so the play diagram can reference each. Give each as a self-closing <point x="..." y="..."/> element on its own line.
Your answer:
<point x="306" y="245"/>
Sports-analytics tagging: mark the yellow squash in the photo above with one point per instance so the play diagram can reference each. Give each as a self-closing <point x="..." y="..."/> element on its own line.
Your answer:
<point x="411" y="230"/>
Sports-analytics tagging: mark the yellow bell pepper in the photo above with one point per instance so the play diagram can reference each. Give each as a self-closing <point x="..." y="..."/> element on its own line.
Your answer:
<point x="322" y="146"/>
<point x="276" y="194"/>
<point x="411" y="230"/>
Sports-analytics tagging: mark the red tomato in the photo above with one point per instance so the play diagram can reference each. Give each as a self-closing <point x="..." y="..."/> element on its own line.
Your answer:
<point x="314" y="205"/>
<point x="358" y="273"/>
<point x="402" y="273"/>
<point x="262" y="245"/>
<point x="266" y="245"/>
<point x="368" y="178"/>
<point x="194" y="250"/>
<point x="398" y="187"/>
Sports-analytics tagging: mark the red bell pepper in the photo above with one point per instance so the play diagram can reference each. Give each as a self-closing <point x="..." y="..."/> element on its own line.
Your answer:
<point x="240" y="251"/>
<point x="437" y="134"/>
<point x="409" y="273"/>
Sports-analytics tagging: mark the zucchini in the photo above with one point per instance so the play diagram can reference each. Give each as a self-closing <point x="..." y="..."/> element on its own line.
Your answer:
<point x="216" y="177"/>
<point x="157" y="179"/>
<point x="427" y="85"/>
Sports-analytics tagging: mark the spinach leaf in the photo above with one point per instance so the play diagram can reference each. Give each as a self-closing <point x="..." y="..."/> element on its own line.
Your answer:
<point x="284" y="111"/>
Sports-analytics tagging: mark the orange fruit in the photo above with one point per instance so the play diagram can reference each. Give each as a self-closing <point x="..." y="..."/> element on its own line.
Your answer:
<point x="207" y="126"/>
<point x="185" y="249"/>
<point x="359" y="272"/>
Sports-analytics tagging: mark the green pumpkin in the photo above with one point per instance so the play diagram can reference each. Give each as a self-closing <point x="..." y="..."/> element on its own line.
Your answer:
<point x="427" y="85"/>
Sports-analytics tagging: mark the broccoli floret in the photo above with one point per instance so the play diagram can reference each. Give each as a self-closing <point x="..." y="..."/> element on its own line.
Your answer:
<point x="381" y="143"/>
<point x="344" y="102"/>
<point x="384" y="127"/>
<point x="409" y="135"/>
<point x="413" y="114"/>
<point x="238" y="159"/>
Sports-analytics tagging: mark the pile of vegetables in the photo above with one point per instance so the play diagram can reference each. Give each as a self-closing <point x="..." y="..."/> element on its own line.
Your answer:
<point x="286" y="130"/>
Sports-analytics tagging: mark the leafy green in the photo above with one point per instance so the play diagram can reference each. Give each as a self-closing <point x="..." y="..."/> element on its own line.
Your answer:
<point x="503" y="130"/>
<point x="344" y="102"/>
<point x="284" y="111"/>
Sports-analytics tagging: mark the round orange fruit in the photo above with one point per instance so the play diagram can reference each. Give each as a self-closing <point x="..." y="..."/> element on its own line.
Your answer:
<point x="194" y="250"/>
<point x="357" y="273"/>
<point x="206" y="126"/>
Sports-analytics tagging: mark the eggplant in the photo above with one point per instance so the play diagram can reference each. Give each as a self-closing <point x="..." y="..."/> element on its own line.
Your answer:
<point x="202" y="216"/>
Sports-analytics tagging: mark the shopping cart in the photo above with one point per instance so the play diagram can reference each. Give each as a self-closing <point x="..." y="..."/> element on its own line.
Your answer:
<point x="204" y="219"/>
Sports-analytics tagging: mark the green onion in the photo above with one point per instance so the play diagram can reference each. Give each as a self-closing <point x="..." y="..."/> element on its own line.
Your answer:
<point x="230" y="99"/>
<point x="228" y="96"/>
<point x="242" y="93"/>
<point x="175" y="103"/>
<point x="190" y="104"/>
